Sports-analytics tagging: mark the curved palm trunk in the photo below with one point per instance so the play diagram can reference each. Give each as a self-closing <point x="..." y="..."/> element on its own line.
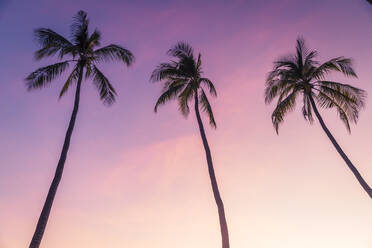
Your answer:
<point x="216" y="193"/>
<point x="356" y="173"/>
<point x="43" y="219"/>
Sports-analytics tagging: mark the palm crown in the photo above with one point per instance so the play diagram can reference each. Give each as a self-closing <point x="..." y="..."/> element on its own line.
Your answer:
<point x="301" y="74"/>
<point x="183" y="80"/>
<point x="82" y="50"/>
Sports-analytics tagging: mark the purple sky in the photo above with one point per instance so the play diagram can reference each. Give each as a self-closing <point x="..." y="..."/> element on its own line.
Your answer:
<point x="135" y="179"/>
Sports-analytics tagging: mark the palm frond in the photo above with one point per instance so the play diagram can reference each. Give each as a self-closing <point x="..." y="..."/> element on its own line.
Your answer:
<point x="181" y="50"/>
<point x="106" y="90"/>
<point x="168" y="95"/>
<point x="285" y="68"/>
<point x="173" y="82"/>
<point x="43" y="76"/>
<point x="345" y="92"/>
<point x="94" y="40"/>
<point x="79" y="28"/>
<point x="282" y="108"/>
<point x="165" y="71"/>
<point x="73" y="77"/>
<point x="285" y="91"/>
<point x="285" y="62"/>
<point x="183" y="99"/>
<point x="301" y="51"/>
<point x="114" y="53"/>
<point x="309" y="60"/>
<point x="307" y="109"/>
<point x="88" y="70"/>
<point x="326" y="101"/>
<point x="278" y="87"/>
<point x="52" y="43"/>
<point x="210" y="86"/>
<point x="206" y="107"/>
<point x="339" y="64"/>
<point x="271" y="91"/>
<point x="347" y="100"/>
<point x="199" y="64"/>
<point x="281" y="78"/>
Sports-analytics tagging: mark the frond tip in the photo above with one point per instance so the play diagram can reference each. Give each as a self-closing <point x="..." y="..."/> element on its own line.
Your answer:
<point x="206" y="107"/>
<point x="114" y="53"/>
<point x="106" y="91"/>
<point x="209" y="84"/>
<point x="283" y="107"/>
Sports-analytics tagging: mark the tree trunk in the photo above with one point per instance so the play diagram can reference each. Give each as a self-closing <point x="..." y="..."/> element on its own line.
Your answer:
<point x="356" y="173"/>
<point x="43" y="219"/>
<point x="216" y="193"/>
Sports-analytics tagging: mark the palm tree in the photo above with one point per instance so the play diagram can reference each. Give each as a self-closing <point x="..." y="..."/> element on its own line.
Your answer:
<point x="83" y="54"/>
<point x="183" y="80"/>
<point x="301" y="74"/>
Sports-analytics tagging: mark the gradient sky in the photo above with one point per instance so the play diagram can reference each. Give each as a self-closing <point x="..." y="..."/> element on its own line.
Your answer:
<point x="138" y="179"/>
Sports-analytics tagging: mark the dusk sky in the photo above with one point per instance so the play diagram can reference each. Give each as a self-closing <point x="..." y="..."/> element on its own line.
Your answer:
<point x="138" y="179"/>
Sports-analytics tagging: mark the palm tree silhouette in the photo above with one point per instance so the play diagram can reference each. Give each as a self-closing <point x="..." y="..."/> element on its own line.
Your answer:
<point x="300" y="74"/>
<point x="82" y="53"/>
<point x="183" y="80"/>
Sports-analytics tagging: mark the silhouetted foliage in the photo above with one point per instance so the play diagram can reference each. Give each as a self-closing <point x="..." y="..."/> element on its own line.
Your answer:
<point x="81" y="50"/>
<point x="300" y="75"/>
<point x="183" y="80"/>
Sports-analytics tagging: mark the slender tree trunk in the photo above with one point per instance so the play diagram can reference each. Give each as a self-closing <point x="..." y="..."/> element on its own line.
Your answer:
<point x="43" y="219"/>
<point x="356" y="173"/>
<point x="216" y="193"/>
